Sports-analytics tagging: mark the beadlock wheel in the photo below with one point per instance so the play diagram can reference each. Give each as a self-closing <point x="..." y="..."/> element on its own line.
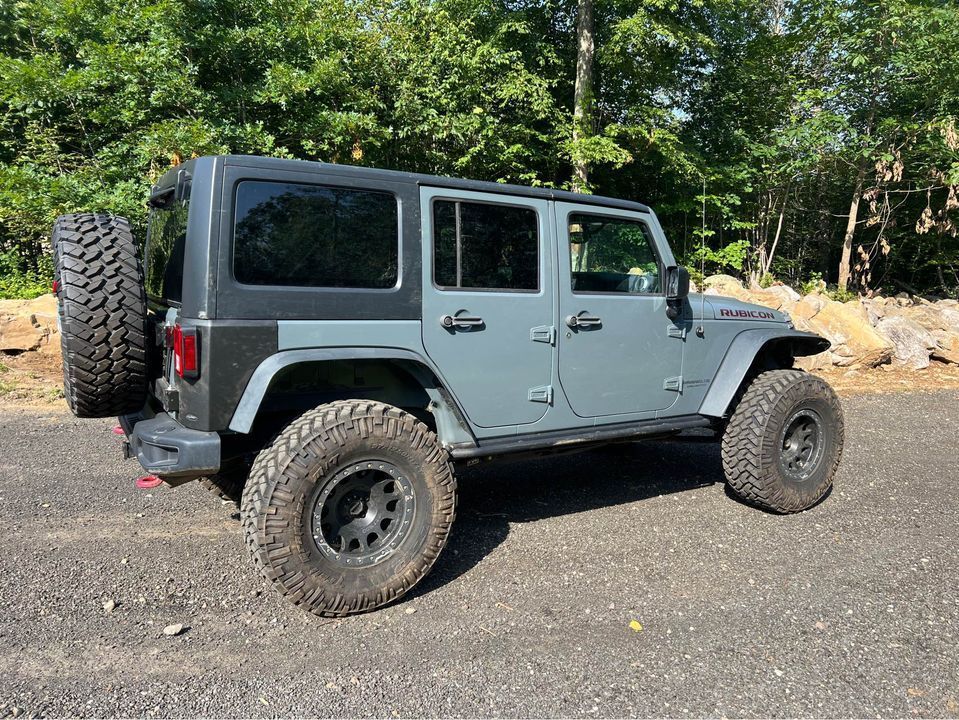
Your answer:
<point x="349" y="507"/>
<point x="783" y="443"/>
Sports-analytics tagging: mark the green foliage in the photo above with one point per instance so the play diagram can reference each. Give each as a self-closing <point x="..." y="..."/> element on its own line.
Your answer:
<point x="729" y="257"/>
<point x="17" y="283"/>
<point x="784" y="108"/>
<point x="812" y="285"/>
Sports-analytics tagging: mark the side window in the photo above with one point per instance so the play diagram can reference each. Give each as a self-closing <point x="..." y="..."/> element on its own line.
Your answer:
<point x="485" y="246"/>
<point x="612" y="255"/>
<point x="314" y="236"/>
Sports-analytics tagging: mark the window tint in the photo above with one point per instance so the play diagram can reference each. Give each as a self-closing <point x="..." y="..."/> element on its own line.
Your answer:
<point x="610" y="254"/>
<point x="481" y="245"/>
<point x="166" y="242"/>
<point x="314" y="236"/>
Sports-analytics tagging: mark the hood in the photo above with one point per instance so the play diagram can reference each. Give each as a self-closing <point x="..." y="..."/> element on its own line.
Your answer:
<point x="718" y="307"/>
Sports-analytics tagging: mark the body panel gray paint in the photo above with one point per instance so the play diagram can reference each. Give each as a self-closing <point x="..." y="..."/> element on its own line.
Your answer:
<point x="296" y="334"/>
<point x="739" y="356"/>
<point x="500" y="351"/>
<point x="230" y="351"/>
<point x="259" y="383"/>
<point x="620" y="366"/>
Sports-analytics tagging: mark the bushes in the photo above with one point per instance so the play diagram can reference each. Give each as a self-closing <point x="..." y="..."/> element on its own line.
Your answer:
<point x="15" y="282"/>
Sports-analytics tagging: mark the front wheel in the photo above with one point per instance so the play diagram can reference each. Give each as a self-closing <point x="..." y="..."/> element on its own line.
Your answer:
<point x="783" y="443"/>
<point x="349" y="507"/>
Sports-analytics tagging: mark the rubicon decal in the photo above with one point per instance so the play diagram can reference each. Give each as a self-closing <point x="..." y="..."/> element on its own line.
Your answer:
<point x="754" y="314"/>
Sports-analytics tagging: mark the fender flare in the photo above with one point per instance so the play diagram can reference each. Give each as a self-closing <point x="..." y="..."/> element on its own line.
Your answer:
<point x="451" y="424"/>
<point x="740" y="355"/>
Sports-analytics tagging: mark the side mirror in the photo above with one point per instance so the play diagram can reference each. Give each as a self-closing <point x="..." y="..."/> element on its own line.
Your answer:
<point x="677" y="288"/>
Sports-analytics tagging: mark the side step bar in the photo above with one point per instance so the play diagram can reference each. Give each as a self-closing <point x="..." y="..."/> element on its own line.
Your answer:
<point x="569" y="439"/>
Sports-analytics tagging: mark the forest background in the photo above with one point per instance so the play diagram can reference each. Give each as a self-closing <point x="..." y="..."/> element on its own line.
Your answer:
<point x="823" y="131"/>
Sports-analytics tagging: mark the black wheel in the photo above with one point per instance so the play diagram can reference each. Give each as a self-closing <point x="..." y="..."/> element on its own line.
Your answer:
<point x="349" y="507"/>
<point x="783" y="443"/>
<point x="102" y="309"/>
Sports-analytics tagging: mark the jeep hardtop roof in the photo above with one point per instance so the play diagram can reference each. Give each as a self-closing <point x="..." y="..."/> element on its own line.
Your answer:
<point x="354" y="171"/>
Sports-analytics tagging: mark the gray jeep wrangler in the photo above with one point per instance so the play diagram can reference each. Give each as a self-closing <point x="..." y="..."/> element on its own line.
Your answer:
<point x="323" y="344"/>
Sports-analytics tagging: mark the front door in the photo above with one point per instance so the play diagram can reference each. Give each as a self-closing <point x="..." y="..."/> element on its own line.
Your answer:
<point x="618" y="352"/>
<point x="487" y="302"/>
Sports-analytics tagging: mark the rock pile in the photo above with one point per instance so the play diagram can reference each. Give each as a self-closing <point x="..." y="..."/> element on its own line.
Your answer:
<point x="905" y="330"/>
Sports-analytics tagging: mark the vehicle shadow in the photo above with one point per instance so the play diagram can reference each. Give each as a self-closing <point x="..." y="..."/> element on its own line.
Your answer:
<point x="492" y="497"/>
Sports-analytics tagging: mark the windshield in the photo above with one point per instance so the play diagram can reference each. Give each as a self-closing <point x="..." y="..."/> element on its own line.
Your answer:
<point x="166" y="240"/>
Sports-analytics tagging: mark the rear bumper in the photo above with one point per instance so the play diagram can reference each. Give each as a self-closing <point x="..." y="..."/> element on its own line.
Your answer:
<point x="165" y="448"/>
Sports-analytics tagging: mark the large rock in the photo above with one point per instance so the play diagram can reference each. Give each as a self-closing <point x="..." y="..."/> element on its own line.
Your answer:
<point x="947" y="347"/>
<point x="27" y="325"/>
<point x="725" y="285"/>
<point x="912" y="342"/>
<point x="846" y="326"/>
<point x="19" y="334"/>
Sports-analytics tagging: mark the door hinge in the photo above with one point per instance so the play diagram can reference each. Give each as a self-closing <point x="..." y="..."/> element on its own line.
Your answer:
<point x="543" y="334"/>
<point x="676" y="331"/>
<point x="543" y="394"/>
<point x="673" y="383"/>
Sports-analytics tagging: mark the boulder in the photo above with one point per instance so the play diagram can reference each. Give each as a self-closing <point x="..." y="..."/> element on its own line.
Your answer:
<point x="725" y="285"/>
<point x="854" y="341"/>
<point x="19" y="334"/>
<point x="27" y="325"/>
<point x="912" y="342"/>
<point x="947" y="347"/>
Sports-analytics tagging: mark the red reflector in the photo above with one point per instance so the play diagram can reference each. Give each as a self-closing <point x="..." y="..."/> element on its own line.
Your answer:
<point x="185" y="352"/>
<point x="56" y="286"/>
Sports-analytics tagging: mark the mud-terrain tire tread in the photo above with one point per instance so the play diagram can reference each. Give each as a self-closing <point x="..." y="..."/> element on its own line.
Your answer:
<point x="102" y="307"/>
<point x="746" y="473"/>
<point x="315" y="435"/>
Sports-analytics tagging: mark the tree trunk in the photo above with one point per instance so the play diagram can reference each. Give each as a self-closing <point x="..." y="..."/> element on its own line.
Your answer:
<point x="844" y="263"/>
<point x="583" y="90"/>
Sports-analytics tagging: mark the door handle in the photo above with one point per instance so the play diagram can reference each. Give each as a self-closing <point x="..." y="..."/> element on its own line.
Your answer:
<point x="461" y="321"/>
<point x="575" y="321"/>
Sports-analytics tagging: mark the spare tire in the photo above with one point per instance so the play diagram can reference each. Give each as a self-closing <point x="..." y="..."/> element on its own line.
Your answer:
<point x="98" y="281"/>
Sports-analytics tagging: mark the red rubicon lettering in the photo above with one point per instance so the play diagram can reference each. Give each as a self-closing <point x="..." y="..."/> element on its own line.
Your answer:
<point x="758" y="314"/>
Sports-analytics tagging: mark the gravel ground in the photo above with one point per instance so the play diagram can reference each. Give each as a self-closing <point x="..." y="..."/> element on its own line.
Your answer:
<point x="850" y="609"/>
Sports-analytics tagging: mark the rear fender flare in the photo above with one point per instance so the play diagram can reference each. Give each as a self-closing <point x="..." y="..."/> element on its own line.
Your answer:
<point x="739" y="358"/>
<point x="451" y="424"/>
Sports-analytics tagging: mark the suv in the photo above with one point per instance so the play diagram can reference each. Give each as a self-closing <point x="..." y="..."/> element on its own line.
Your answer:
<point x="324" y="344"/>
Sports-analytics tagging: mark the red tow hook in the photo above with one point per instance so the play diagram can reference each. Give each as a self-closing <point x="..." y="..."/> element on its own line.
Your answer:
<point x="148" y="482"/>
<point x="118" y="430"/>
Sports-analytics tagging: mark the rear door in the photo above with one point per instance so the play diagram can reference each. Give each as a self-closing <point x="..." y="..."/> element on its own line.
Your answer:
<point x="487" y="302"/>
<point x="618" y="352"/>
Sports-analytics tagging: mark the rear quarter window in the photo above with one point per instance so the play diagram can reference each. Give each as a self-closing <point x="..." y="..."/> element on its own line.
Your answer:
<point x="165" y="247"/>
<point x="305" y="235"/>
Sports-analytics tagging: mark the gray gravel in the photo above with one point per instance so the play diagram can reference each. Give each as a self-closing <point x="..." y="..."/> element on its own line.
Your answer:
<point x="848" y="609"/>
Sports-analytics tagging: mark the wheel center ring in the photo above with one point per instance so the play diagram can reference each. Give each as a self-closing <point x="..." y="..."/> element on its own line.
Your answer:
<point x="362" y="513"/>
<point x="801" y="445"/>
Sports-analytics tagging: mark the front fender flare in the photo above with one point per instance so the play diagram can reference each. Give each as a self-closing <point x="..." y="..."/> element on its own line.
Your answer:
<point x="739" y="358"/>
<point x="451" y="423"/>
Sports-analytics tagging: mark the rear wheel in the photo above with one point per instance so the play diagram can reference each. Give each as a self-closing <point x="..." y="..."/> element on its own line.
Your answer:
<point x="783" y="443"/>
<point x="102" y="310"/>
<point x="349" y="507"/>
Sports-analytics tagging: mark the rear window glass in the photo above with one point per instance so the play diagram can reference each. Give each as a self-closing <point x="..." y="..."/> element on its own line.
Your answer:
<point x="485" y="246"/>
<point x="314" y="236"/>
<point x="166" y="241"/>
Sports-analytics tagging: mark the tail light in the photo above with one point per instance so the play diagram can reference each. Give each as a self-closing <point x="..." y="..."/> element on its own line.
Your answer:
<point x="186" y="352"/>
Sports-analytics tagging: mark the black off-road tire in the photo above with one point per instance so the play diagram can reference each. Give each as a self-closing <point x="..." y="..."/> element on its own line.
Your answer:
<point x="102" y="307"/>
<point x="760" y="462"/>
<point x="287" y="483"/>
